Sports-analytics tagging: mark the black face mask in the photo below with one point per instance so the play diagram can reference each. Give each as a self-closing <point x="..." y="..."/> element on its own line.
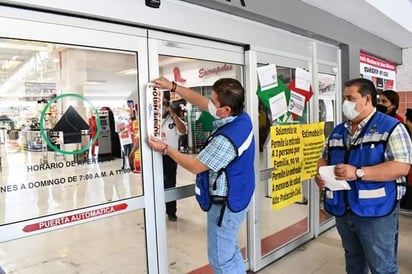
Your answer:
<point x="381" y="108"/>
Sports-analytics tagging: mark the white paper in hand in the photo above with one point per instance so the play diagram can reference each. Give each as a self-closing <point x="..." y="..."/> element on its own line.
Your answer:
<point x="154" y="111"/>
<point x="327" y="174"/>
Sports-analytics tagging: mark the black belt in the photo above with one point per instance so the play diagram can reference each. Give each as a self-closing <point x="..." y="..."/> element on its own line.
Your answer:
<point x="218" y="200"/>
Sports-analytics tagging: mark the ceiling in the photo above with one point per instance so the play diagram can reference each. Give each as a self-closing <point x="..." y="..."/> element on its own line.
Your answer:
<point x="380" y="17"/>
<point x="98" y="74"/>
<point x="390" y="20"/>
<point x="14" y="53"/>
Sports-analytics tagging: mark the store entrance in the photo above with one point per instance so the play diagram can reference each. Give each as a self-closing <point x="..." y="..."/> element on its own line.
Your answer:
<point x="60" y="113"/>
<point x="69" y="115"/>
<point x="74" y="108"/>
<point x="288" y="223"/>
<point x="291" y="213"/>
<point x="197" y="67"/>
<point x="72" y="115"/>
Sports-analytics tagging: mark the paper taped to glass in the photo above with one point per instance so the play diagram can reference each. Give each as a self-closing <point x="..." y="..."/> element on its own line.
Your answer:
<point x="154" y="111"/>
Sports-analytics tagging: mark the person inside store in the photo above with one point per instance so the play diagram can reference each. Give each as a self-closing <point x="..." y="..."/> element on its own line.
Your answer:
<point x="371" y="151"/>
<point x="134" y="154"/>
<point x="125" y="130"/>
<point x="116" y="148"/>
<point x="172" y="128"/>
<point x="133" y="160"/>
<point x="224" y="167"/>
<point x="93" y="132"/>
<point x="388" y="103"/>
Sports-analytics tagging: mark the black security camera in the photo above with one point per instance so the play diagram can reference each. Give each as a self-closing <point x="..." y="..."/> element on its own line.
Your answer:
<point x="153" y="3"/>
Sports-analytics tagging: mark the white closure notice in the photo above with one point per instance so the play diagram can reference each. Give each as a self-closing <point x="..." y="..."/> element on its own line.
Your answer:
<point x="154" y="111"/>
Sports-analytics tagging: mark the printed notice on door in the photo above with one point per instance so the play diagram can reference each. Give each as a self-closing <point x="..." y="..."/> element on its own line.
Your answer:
<point x="287" y="162"/>
<point x="313" y="138"/>
<point x="296" y="150"/>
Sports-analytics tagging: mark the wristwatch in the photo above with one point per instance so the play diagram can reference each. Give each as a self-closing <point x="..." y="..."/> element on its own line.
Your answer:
<point x="359" y="173"/>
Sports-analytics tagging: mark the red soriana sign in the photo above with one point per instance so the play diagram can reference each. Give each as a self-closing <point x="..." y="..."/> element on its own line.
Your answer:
<point x="382" y="73"/>
<point x="203" y="72"/>
<point x="74" y="218"/>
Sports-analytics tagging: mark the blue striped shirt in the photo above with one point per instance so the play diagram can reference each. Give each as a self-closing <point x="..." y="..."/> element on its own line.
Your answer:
<point x="398" y="148"/>
<point x="218" y="153"/>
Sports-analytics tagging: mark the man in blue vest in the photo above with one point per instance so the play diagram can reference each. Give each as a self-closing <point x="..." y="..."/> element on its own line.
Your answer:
<point x="372" y="152"/>
<point x="225" y="168"/>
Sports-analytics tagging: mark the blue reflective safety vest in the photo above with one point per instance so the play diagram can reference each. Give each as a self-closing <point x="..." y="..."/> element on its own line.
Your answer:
<point x="365" y="198"/>
<point x="240" y="173"/>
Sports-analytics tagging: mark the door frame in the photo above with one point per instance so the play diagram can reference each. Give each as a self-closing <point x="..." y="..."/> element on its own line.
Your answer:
<point x="68" y="30"/>
<point x="163" y="43"/>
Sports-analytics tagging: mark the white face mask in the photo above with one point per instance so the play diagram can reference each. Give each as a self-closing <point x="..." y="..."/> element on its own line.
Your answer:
<point x="212" y="110"/>
<point x="349" y="110"/>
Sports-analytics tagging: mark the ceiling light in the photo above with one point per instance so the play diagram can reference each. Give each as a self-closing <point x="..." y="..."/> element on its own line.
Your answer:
<point x="94" y="82"/>
<point x="131" y="71"/>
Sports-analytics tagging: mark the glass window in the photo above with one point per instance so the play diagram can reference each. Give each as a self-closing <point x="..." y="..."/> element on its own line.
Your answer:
<point x="68" y="123"/>
<point x="284" y="225"/>
<point x="200" y="76"/>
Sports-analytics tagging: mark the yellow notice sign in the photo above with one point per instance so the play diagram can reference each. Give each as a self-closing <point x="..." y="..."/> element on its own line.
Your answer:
<point x="313" y="138"/>
<point x="287" y="162"/>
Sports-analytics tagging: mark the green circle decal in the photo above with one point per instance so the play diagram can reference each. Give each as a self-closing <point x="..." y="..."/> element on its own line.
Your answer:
<point x="43" y="130"/>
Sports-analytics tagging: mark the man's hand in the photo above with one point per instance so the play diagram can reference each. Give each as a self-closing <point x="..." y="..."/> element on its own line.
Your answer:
<point x="320" y="182"/>
<point x="156" y="144"/>
<point x="345" y="172"/>
<point x="162" y="83"/>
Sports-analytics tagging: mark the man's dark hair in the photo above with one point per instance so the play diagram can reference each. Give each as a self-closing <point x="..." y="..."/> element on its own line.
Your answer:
<point x="230" y="93"/>
<point x="365" y="87"/>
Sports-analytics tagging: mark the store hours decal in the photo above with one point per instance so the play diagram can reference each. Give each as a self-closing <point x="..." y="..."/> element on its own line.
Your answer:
<point x="64" y="180"/>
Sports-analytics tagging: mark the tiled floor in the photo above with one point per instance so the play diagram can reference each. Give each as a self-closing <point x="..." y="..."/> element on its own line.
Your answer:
<point x="324" y="255"/>
<point x="93" y="247"/>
